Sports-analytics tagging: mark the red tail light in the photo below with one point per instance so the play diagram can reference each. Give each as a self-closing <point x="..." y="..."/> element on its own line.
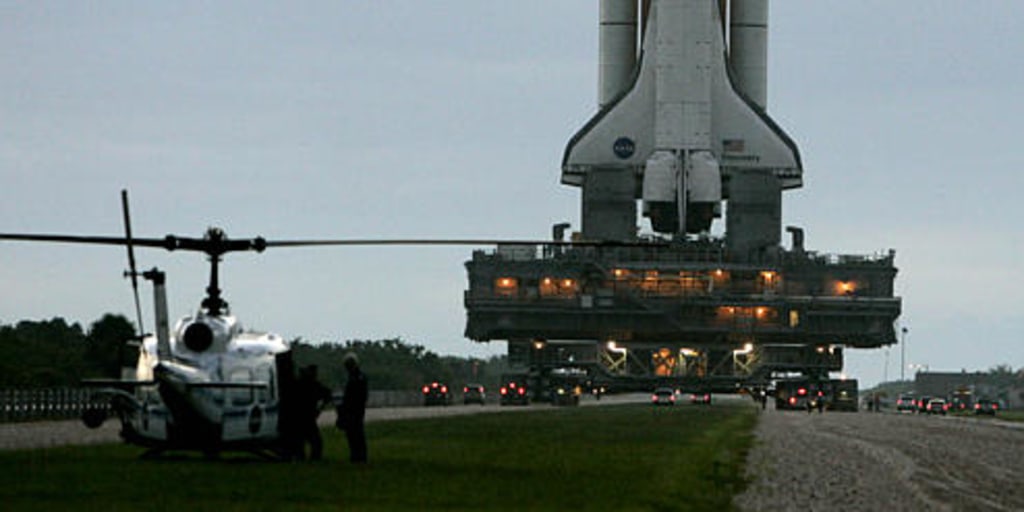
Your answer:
<point x="977" y="406"/>
<point x="801" y="391"/>
<point x="522" y="391"/>
<point x="792" y="400"/>
<point x="426" y="389"/>
<point x="654" y="398"/>
<point x="504" y="391"/>
<point x="995" y="406"/>
<point x="444" y="389"/>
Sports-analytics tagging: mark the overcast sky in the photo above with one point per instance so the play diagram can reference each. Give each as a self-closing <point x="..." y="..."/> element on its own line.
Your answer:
<point x="448" y="119"/>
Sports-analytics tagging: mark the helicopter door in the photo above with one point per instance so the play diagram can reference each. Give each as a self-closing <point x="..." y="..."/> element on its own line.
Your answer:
<point x="265" y="394"/>
<point x="263" y="419"/>
<point x="238" y="405"/>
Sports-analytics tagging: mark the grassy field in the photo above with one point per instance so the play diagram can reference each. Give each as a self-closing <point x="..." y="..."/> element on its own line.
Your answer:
<point x="631" y="457"/>
<point x="1015" y="415"/>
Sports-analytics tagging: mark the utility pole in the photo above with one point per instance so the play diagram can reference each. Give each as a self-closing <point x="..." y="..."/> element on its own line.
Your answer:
<point x="885" y="371"/>
<point x="903" y="352"/>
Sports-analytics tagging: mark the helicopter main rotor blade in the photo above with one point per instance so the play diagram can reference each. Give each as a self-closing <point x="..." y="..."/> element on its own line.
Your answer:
<point x="75" y="239"/>
<point x="170" y="242"/>
<point x="132" y="272"/>
<point x="216" y="244"/>
<point x="448" y="241"/>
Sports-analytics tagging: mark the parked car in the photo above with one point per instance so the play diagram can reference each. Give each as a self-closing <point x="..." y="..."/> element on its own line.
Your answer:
<point x="514" y="392"/>
<point x="436" y="393"/>
<point x="663" y="396"/>
<point x="985" y="406"/>
<point x="473" y="394"/>
<point x="922" y="404"/>
<point x="960" y="404"/>
<point x="937" y="406"/>
<point x="700" y="398"/>
<point x="906" y="403"/>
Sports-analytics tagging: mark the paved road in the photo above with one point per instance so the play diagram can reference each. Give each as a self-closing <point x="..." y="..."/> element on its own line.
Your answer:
<point x="61" y="433"/>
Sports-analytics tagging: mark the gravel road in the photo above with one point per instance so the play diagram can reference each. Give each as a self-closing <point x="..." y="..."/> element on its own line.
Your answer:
<point x="864" y="461"/>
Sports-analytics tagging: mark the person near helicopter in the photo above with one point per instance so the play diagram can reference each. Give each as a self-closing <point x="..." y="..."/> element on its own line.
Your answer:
<point x="352" y="410"/>
<point x="311" y="396"/>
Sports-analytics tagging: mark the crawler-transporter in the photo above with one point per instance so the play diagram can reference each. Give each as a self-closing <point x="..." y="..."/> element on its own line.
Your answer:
<point x="682" y="128"/>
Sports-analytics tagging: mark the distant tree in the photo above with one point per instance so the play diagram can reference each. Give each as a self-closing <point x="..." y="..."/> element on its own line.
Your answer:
<point x="1001" y="369"/>
<point x="1002" y="375"/>
<point x="395" y="364"/>
<point x="54" y="353"/>
<point x="106" y="346"/>
<point x="41" y="354"/>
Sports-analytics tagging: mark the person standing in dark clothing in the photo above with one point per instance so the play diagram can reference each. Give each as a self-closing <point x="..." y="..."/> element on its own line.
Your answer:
<point x="311" y="396"/>
<point x="288" y="413"/>
<point x="352" y="410"/>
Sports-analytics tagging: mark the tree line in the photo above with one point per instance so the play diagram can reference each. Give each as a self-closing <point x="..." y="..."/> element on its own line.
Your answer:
<point x="54" y="353"/>
<point x="397" y="365"/>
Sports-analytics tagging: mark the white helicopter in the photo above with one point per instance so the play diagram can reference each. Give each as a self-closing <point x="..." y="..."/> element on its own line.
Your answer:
<point x="209" y="384"/>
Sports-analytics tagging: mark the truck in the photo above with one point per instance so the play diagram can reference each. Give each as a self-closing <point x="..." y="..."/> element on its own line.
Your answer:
<point x="566" y="385"/>
<point x="844" y="395"/>
<point x="793" y="393"/>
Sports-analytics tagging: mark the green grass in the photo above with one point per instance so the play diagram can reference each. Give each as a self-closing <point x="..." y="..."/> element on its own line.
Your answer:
<point x="1016" y="415"/>
<point x="633" y="457"/>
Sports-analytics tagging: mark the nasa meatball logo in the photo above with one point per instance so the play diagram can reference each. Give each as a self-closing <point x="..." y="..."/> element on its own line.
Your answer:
<point x="624" y="147"/>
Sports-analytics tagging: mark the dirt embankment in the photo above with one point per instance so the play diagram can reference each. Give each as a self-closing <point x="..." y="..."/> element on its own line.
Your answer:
<point x="864" y="461"/>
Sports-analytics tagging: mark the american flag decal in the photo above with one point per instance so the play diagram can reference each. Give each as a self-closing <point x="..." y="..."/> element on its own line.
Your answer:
<point x="732" y="145"/>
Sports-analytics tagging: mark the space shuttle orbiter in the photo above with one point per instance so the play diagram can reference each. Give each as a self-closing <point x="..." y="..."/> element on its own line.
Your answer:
<point x="682" y="123"/>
